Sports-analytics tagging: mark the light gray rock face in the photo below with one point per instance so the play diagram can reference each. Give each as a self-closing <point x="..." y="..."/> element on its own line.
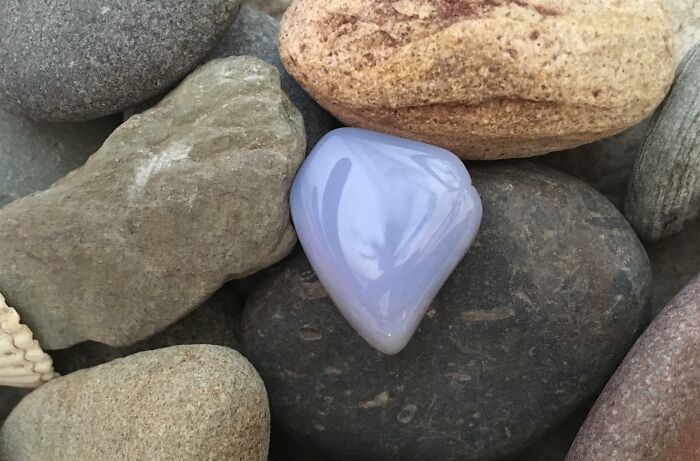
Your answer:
<point x="179" y="200"/>
<point x="664" y="191"/>
<point x="254" y="33"/>
<point x="70" y="60"/>
<point x="188" y="403"/>
<point x="34" y="155"/>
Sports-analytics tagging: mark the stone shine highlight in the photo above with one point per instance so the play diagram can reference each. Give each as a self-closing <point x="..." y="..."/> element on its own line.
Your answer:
<point x="384" y="221"/>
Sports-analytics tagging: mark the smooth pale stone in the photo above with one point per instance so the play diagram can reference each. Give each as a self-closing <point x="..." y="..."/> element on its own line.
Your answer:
<point x="383" y="221"/>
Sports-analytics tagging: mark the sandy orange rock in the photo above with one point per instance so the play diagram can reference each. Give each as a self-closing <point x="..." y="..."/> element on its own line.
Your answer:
<point x="484" y="78"/>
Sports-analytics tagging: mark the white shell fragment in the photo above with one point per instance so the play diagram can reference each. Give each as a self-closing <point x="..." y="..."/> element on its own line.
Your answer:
<point x="22" y="361"/>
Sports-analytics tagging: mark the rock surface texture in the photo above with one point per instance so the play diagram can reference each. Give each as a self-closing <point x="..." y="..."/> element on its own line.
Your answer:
<point x="530" y="324"/>
<point x="274" y="8"/>
<point x="216" y="322"/>
<point x="484" y="79"/>
<point x="69" y="60"/>
<point x="685" y="16"/>
<point x="605" y="165"/>
<point x="675" y="261"/>
<point x="189" y="403"/>
<point x="649" y="409"/>
<point x="664" y="191"/>
<point x="34" y="155"/>
<point x="179" y="200"/>
<point x="254" y="33"/>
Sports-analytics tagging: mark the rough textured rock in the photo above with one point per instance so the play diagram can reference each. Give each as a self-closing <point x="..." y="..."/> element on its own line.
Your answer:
<point x="34" y="155"/>
<point x="187" y="403"/>
<point x="675" y="261"/>
<point x="485" y="79"/>
<point x="274" y="8"/>
<point x="605" y="165"/>
<point x="179" y="200"/>
<point x="664" y="191"/>
<point x="68" y="60"/>
<point x="685" y="16"/>
<point x="216" y="322"/>
<point x="255" y="33"/>
<point x="531" y="323"/>
<point x="649" y="409"/>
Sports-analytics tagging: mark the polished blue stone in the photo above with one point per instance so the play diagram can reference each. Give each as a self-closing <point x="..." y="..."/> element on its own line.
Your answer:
<point x="383" y="221"/>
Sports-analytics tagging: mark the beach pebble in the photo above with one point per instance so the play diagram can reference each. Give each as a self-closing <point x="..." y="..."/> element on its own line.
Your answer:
<point x="179" y="200"/>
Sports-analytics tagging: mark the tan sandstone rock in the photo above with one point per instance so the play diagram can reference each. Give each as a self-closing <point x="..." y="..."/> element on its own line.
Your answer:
<point x="185" y="403"/>
<point x="485" y="79"/>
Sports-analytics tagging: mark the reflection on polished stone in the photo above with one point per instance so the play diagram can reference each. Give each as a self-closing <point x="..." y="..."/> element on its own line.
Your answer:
<point x="383" y="221"/>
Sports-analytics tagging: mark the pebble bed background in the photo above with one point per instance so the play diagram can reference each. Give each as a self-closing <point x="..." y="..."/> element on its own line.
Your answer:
<point x="585" y="264"/>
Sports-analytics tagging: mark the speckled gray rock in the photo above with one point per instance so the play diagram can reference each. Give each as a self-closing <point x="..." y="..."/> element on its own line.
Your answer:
<point x="274" y="8"/>
<point x="179" y="200"/>
<point x="189" y="403"/>
<point x="71" y="60"/>
<point x="531" y="323"/>
<point x="216" y="322"/>
<point x="649" y="409"/>
<point x="604" y="165"/>
<point x="34" y="155"/>
<point x="664" y="191"/>
<point x="254" y="33"/>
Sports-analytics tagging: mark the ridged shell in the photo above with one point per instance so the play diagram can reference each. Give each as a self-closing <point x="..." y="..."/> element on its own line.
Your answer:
<point x="22" y="361"/>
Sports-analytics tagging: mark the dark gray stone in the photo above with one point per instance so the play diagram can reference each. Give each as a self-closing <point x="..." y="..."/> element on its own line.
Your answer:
<point x="604" y="165"/>
<point x="179" y="200"/>
<point x="530" y="325"/>
<point x="9" y="398"/>
<point x="71" y="60"/>
<point x="254" y="33"/>
<point x="664" y="191"/>
<point x="34" y="155"/>
<point x="675" y="260"/>
<point x="216" y="322"/>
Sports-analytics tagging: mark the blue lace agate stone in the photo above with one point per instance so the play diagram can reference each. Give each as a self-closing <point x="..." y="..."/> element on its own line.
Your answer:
<point x="383" y="221"/>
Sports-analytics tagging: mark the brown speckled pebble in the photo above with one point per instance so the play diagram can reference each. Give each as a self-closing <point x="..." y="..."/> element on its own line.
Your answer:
<point x="185" y="403"/>
<point x="484" y="78"/>
<point x="649" y="409"/>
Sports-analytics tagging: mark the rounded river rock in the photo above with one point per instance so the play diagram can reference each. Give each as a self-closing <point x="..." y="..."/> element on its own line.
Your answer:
<point x="531" y="323"/>
<point x="185" y="403"/>
<point x="483" y="78"/>
<point x="664" y="190"/>
<point x="179" y="200"/>
<point x="71" y="60"/>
